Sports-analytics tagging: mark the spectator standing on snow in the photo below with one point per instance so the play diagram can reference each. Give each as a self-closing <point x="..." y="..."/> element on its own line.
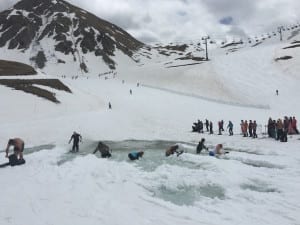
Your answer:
<point x="250" y="128"/>
<point x="220" y="128"/>
<point x="279" y="129"/>
<point x="254" y="129"/>
<point x="291" y="129"/>
<point x="294" y="125"/>
<point x="285" y="129"/>
<point x="222" y="125"/>
<point x="230" y="127"/>
<point x="273" y="129"/>
<point x="270" y="127"/>
<point x="109" y="105"/>
<point x="245" y="128"/>
<point x="207" y="125"/>
<point x="242" y="127"/>
<point x="211" y="128"/>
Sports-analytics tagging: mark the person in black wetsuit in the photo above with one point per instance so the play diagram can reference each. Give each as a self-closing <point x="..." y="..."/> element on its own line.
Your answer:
<point x="201" y="146"/>
<point x="76" y="138"/>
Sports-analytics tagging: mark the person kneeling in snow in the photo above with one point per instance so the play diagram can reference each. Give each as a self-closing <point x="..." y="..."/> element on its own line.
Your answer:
<point x="135" y="155"/>
<point x="103" y="149"/>
<point x="217" y="151"/>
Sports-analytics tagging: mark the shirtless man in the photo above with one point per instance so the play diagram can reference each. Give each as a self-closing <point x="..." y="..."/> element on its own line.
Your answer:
<point x="18" y="144"/>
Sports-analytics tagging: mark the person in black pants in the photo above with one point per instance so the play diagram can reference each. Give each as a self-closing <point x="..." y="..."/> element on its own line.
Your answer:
<point x="211" y="128"/>
<point x="207" y="125"/>
<point x="76" y="138"/>
<point x="254" y="127"/>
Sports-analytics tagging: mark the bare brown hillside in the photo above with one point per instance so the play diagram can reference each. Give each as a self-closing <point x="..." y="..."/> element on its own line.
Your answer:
<point x="11" y="68"/>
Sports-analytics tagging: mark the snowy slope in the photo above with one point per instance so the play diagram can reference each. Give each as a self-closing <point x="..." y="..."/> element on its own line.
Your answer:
<point x="247" y="77"/>
<point x="256" y="183"/>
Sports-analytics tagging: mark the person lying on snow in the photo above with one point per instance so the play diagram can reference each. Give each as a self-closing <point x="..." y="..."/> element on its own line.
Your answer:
<point x="103" y="149"/>
<point x="135" y="155"/>
<point x="172" y="150"/>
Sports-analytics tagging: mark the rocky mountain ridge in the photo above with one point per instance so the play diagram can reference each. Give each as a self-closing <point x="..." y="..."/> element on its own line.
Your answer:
<point x="53" y="30"/>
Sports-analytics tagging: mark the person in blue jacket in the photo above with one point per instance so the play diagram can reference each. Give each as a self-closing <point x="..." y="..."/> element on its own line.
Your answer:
<point x="135" y="155"/>
<point x="230" y="127"/>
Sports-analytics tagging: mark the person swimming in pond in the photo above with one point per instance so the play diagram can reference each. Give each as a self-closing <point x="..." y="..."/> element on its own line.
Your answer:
<point x="201" y="146"/>
<point x="172" y="150"/>
<point x="135" y="155"/>
<point x="217" y="151"/>
<point x="103" y="149"/>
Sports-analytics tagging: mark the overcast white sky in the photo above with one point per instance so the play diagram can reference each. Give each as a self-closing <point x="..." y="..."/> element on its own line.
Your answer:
<point x="182" y="20"/>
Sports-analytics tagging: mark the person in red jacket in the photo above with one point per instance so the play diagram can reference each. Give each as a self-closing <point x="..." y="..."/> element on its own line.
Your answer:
<point x="294" y="125"/>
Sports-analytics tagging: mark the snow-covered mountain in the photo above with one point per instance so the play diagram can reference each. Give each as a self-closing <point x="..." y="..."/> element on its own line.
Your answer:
<point x="54" y="33"/>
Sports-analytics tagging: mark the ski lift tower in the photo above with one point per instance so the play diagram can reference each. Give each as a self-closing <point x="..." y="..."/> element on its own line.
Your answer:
<point x="280" y="29"/>
<point x="205" y="42"/>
